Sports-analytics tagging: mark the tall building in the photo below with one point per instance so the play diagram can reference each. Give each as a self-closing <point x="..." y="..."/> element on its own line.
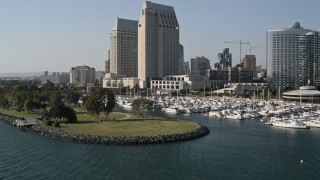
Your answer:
<point x="107" y="63"/>
<point x="199" y="66"/>
<point x="186" y="68"/>
<point x="224" y="60"/>
<point x="123" y="48"/>
<point x="181" y="59"/>
<point x="158" y="42"/>
<point x="249" y="62"/>
<point x="293" y="57"/>
<point x="82" y="75"/>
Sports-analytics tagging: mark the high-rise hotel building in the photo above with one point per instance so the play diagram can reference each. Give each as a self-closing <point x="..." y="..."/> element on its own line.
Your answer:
<point x="158" y="42"/>
<point x="124" y="48"/>
<point x="293" y="57"/>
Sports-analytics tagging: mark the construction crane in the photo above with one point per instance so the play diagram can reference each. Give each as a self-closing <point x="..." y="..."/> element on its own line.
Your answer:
<point x="250" y="47"/>
<point x="240" y="42"/>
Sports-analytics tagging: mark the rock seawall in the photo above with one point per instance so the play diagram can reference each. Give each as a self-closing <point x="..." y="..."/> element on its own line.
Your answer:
<point x="94" y="139"/>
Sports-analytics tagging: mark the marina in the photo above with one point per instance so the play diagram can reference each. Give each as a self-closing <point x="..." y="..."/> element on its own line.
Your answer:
<point x="283" y="114"/>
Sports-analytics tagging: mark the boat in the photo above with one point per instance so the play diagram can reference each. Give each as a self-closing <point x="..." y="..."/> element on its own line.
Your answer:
<point x="295" y="124"/>
<point x="217" y="114"/>
<point x="235" y="116"/>
<point x="127" y="106"/>
<point x="313" y="123"/>
<point x="171" y="110"/>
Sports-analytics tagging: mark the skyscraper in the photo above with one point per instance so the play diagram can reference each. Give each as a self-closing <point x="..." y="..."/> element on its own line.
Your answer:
<point x="107" y="63"/>
<point x="123" y="48"/>
<point x="293" y="57"/>
<point x="181" y="59"/>
<point x="199" y="66"/>
<point x="186" y="68"/>
<point x="249" y="62"/>
<point x="158" y="41"/>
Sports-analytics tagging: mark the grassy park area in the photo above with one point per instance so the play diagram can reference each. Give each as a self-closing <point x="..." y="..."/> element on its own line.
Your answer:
<point x="119" y="124"/>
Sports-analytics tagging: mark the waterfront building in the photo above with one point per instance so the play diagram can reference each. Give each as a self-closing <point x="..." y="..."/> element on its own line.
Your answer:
<point x="158" y="42"/>
<point x="199" y="66"/>
<point x="240" y="89"/>
<point x="179" y="82"/>
<point x="293" y="57"/>
<point x="56" y="78"/>
<point x="123" y="48"/>
<point x="249" y="62"/>
<point x="304" y="93"/>
<point x="112" y="80"/>
<point x="82" y="75"/>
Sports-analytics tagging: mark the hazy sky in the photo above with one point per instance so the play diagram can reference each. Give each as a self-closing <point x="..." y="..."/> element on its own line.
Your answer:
<point x="54" y="35"/>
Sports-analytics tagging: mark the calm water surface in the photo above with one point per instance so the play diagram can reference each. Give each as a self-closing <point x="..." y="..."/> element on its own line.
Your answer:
<point x="233" y="150"/>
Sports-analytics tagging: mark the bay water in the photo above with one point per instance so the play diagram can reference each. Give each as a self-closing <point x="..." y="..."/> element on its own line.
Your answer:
<point x="233" y="150"/>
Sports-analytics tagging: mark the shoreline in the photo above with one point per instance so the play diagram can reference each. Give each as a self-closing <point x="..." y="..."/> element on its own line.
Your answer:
<point x="94" y="139"/>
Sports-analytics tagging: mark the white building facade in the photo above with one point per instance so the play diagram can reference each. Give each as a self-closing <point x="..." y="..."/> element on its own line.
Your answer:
<point x="292" y="57"/>
<point x="180" y="82"/>
<point x="112" y="80"/>
<point x="158" y="42"/>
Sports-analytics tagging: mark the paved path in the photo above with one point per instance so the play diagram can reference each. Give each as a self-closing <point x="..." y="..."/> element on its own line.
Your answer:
<point x="126" y="114"/>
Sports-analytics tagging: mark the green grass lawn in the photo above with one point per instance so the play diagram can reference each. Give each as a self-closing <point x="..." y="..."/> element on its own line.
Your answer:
<point x="118" y="125"/>
<point x="131" y="127"/>
<point x="19" y="114"/>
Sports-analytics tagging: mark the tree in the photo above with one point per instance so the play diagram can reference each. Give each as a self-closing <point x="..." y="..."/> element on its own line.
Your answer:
<point x="93" y="105"/>
<point x="4" y="103"/>
<point x="100" y="100"/>
<point x="72" y="97"/>
<point x="63" y="113"/>
<point x="54" y="99"/>
<point x="69" y="115"/>
<point x="109" y="103"/>
<point x="139" y="106"/>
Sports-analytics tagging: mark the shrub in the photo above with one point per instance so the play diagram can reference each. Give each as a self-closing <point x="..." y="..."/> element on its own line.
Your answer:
<point x="47" y="122"/>
<point x="56" y="124"/>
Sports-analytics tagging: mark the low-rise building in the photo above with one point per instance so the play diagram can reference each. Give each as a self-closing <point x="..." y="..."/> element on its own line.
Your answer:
<point x="179" y="82"/>
<point x="56" y="78"/>
<point x="112" y="80"/>
<point x="236" y="74"/>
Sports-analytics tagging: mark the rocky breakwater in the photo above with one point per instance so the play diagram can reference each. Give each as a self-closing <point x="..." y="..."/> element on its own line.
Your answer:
<point x="93" y="139"/>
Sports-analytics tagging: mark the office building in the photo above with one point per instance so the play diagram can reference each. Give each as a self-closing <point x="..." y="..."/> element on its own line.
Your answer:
<point x="249" y="62"/>
<point x="224" y="60"/>
<point x="107" y="63"/>
<point x="292" y="57"/>
<point x="181" y="59"/>
<point x="158" y="42"/>
<point x="186" y="68"/>
<point x="123" y="48"/>
<point x="199" y="66"/>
